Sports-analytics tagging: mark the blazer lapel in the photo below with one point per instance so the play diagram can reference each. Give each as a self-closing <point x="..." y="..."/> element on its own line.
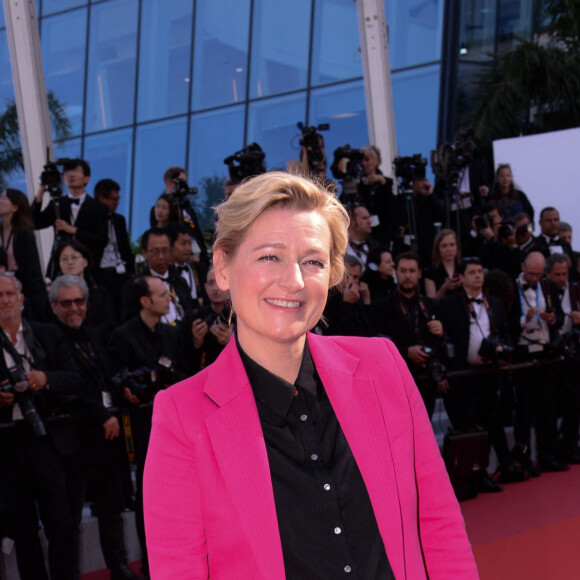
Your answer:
<point x="238" y="443"/>
<point x="355" y="400"/>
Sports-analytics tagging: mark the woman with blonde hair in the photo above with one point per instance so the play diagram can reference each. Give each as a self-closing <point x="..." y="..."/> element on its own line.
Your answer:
<point x="296" y="455"/>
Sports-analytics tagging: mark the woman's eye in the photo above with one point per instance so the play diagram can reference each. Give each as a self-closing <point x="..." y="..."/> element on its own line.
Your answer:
<point x="316" y="263"/>
<point x="269" y="258"/>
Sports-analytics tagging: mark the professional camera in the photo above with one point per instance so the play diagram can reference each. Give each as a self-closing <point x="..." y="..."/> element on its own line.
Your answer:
<point x="565" y="345"/>
<point x="482" y="222"/>
<point x="246" y="162"/>
<point x="181" y="189"/>
<point x="146" y="382"/>
<point x="313" y="142"/>
<point x="492" y="350"/>
<point x="51" y="177"/>
<point x="349" y="173"/>
<point x="507" y="229"/>
<point x="448" y="161"/>
<point x="18" y="385"/>
<point x="436" y="370"/>
<point x="225" y="316"/>
<point x="408" y="169"/>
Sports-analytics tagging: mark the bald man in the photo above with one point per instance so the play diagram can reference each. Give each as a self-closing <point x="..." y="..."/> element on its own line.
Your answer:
<point x="535" y="319"/>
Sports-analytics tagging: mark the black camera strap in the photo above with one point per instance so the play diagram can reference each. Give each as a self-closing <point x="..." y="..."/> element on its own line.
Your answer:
<point x="408" y="316"/>
<point x="473" y="314"/>
<point x="10" y="348"/>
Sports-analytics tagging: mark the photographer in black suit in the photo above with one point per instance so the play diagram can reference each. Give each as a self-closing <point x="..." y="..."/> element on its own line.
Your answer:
<point x="43" y="463"/>
<point x="476" y="325"/>
<point x="103" y="448"/>
<point x="75" y="216"/>
<point x="534" y="320"/>
<point x="410" y="320"/>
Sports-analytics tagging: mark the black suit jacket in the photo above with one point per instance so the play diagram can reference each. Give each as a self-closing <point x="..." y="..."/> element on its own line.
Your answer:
<point x="91" y="222"/>
<point x="455" y="317"/>
<point x="550" y="292"/>
<point x="50" y="353"/>
<point x="123" y="242"/>
<point x="542" y="246"/>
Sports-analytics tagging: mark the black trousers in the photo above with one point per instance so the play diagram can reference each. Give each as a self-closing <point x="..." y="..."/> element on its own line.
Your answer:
<point x="38" y="475"/>
<point x="568" y="380"/>
<point x="474" y="401"/>
<point x="536" y="403"/>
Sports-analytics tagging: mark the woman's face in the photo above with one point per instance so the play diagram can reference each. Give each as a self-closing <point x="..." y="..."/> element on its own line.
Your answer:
<point x="72" y="262"/>
<point x="278" y="279"/>
<point x="448" y="248"/>
<point x="370" y="163"/>
<point x="162" y="211"/>
<point x="386" y="265"/>
<point x="7" y="208"/>
<point x="504" y="178"/>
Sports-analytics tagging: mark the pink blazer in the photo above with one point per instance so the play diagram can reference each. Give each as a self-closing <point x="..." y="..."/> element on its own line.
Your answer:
<point x="209" y="504"/>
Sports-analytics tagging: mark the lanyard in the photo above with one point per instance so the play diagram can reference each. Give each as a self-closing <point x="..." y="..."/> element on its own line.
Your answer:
<point x="522" y="298"/>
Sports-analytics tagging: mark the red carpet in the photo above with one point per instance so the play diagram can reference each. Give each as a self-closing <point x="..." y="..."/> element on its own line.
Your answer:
<point x="529" y="531"/>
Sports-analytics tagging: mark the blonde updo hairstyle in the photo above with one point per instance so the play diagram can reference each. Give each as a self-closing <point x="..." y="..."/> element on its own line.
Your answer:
<point x="282" y="191"/>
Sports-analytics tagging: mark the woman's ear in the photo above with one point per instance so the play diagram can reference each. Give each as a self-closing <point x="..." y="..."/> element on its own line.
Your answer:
<point x="221" y="268"/>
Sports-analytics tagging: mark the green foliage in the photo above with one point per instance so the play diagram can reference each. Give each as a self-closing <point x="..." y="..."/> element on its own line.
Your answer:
<point x="534" y="87"/>
<point x="211" y="192"/>
<point x="10" y="152"/>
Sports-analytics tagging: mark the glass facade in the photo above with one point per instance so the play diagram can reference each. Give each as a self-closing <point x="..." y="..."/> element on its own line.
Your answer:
<point x="153" y="83"/>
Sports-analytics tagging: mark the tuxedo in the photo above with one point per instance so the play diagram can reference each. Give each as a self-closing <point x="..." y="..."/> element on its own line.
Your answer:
<point x="210" y="509"/>
<point x="547" y="247"/>
<point x="91" y="222"/>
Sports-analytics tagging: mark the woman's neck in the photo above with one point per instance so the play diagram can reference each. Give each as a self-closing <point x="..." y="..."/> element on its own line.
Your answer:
<point x="449" y="266"/>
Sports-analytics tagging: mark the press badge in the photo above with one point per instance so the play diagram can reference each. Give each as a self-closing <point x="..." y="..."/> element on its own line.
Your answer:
<point x="107" y="399"/>
<point x="375" y="221"/>
<point x="120" y="268"/>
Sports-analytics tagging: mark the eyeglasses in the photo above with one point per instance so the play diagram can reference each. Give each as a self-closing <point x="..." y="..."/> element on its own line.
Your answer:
<point x="159" y="251"/>
<point x="78" y="302"/>
<point x="71" y="258"/>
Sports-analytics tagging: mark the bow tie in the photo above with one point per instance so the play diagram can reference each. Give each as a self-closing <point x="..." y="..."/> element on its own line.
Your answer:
<point x="561" y="292"/>
<point x="527" y="287"/>
<point x="476" y="300"/>
<point x="555" y="243"/>
<point x="76" y="201"/>
<point x="181" y="269"/>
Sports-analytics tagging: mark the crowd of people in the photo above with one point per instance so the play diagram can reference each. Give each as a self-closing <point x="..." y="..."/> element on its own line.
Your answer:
<point x="114" y="329"/>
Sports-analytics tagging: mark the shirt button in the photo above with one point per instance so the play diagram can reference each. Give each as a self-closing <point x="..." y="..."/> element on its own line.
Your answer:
<point x="303" y="417"/>
<point x="337" y="530"/>
<point x="326" y="487"/>
<point x="314" y="457"/>
<point x="347" y="569"/>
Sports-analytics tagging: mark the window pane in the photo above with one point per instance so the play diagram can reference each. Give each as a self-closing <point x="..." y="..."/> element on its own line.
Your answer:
<point x="63" y="53"/>
<point x="416" y="110"/>
<point x="336" y="55"/>
<point x="221" y="53"/>
<point x="50" y="6"/>
<point x="415" y="31"/>
<point x="279" y="47"/>
<point x="515" y="22"/>
<point x="6" y="84"/>
<point x="343" y="108"/>
<point x="158" y="146"/>
<point x="109" y="155"/>
<point x="111" y="81"/>
<point x="215" y="135"/>
<point x="272" y="124"/>
<point x="164" y="58"/>
<point x="477" y="29"/>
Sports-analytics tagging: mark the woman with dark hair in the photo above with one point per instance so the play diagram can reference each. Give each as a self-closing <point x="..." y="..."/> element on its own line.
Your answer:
<point x="19" y="253"/>
<point x="379" y="273"/>
<point x="512" y="200"/>
<point x="163" y="212"/>
<point x="442" y="279"/>
<point x="73" y="258"/>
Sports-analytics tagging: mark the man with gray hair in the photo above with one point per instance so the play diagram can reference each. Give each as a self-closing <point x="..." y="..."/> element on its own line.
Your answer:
<point x="103" y="447"/>
<point x="42" y="461"/>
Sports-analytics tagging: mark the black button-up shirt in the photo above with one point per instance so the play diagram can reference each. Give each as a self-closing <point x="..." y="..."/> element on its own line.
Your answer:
<point x="327" y="525"/>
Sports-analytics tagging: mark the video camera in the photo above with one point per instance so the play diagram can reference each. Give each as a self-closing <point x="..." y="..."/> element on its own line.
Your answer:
<point x="313" y="142"/>
<point x="447" y="161"/>
<point x="18" y="385"/>
<point x="408" y="169"/>
<point x="51" y="177"/>
<point x="181" y="189"/>
<point x="146" y="382"/>
<point x="246" y="162"/>
<point x="349" y="174"/>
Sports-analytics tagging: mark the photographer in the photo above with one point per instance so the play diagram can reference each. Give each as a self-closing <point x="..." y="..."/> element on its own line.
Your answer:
<point x="476" y="326"/>
<point x="211" y="327"/>
<point x="145" y="344"/>
<point x="410" y="320"/>
<point x="534" y="319"/>
<point x="75" y="216"/>
<point x="43" y="463"/>
<point x="558" y="271"/>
